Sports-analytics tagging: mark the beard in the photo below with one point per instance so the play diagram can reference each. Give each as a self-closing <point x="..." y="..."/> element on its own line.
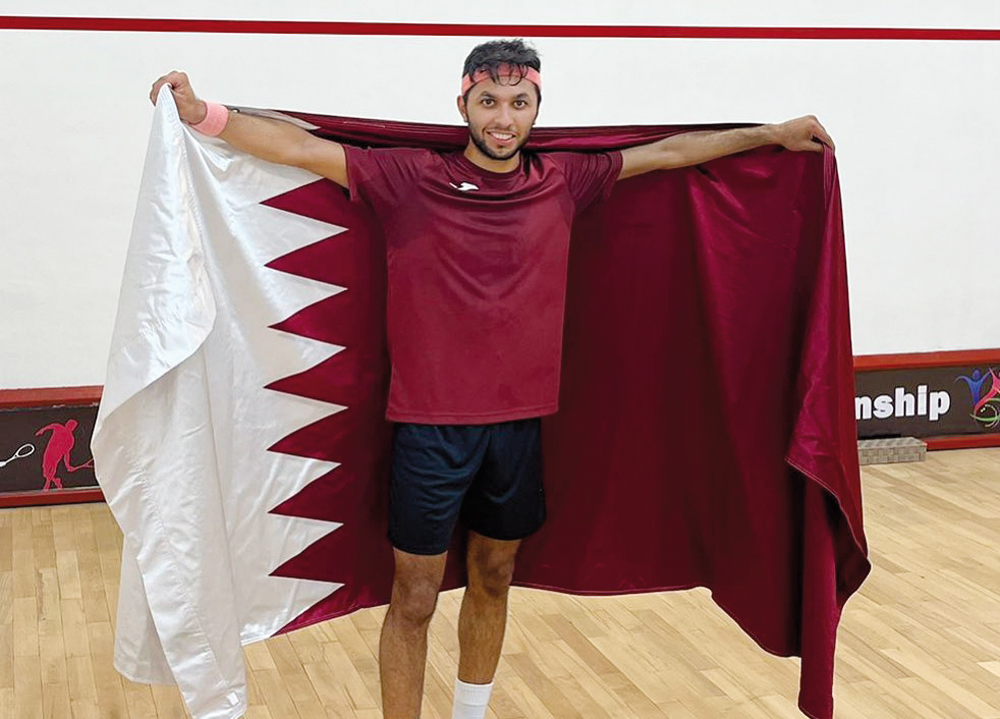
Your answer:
<point x="479" y="142"/>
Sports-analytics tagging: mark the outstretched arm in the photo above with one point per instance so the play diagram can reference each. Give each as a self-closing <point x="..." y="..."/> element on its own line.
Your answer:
<point x="692" y="148"/>
<point x="271" y="140"/>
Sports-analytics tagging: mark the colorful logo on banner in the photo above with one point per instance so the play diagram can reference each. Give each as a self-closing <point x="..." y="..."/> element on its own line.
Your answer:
<point x="985" y="389"/>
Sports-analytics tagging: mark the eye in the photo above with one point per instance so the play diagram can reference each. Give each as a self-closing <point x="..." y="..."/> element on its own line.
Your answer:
<point x="487" y="101"/>
<point x="520" y="103"/>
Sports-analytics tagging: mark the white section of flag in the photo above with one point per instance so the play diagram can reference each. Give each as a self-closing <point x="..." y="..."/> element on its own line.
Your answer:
<point x="180" y="451"/>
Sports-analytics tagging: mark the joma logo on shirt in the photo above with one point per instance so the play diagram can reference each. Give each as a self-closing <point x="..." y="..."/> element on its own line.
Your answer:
<point x="464" y="187"/>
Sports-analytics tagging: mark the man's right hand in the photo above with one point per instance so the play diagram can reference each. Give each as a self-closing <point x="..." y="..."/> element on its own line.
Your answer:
<point x="189" y="107"/>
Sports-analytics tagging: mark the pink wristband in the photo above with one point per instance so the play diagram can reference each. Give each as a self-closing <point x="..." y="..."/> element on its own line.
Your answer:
<point x="215" y="120"/>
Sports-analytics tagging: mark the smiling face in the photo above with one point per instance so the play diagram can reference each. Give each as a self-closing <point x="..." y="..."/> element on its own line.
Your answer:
<point x="500" y="117"/>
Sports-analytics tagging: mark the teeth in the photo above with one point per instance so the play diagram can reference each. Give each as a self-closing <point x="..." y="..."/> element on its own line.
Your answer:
<point x="502" y="135"/>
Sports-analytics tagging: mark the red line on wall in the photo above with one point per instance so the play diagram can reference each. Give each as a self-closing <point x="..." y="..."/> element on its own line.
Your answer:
<point x="922" y="360"/>
<point x="319" y="27"/>
<point x="962" y="441"/>
<point x="62" y="496"/>
<point x="49" y="396"/>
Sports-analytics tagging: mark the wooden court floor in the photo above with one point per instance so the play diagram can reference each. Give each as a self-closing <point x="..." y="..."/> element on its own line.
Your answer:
<point x="920" y="640"/>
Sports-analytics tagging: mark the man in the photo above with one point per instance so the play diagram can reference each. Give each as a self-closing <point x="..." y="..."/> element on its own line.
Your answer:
<point x="477" y="246"/>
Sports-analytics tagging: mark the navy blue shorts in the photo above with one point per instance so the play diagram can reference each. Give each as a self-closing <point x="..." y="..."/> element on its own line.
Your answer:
<point x="490" y="475"/>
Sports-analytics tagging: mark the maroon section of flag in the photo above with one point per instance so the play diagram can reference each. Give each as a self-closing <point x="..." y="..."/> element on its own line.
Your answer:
<point x="705" y="436"/>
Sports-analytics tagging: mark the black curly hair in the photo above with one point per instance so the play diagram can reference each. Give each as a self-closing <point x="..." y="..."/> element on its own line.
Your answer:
<point x="491" y="56"/>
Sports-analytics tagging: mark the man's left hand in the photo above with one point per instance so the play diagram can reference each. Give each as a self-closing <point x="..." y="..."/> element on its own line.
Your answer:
<point x="804" y="133"/>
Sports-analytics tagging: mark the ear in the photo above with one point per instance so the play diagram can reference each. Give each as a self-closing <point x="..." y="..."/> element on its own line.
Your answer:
<point x="462" y="109"/>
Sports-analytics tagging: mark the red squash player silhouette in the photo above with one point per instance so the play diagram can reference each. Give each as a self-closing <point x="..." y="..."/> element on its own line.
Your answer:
<point x="58" y="450"/>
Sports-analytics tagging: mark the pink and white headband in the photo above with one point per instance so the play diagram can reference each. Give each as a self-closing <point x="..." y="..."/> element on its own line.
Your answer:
<point x="504" y="72"/>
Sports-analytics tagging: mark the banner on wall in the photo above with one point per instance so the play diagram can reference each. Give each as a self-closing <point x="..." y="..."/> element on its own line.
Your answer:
<point x="46" y="449"/>
<point x="928" y="402"/>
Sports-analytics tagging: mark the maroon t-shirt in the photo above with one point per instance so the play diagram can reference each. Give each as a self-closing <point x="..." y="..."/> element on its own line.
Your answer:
<point x="477" y="276"/>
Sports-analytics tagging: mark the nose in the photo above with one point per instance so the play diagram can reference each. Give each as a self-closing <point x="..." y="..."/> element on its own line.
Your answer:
<point x="505" y="117"/>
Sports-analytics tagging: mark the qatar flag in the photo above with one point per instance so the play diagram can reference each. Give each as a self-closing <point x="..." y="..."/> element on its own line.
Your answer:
<point x="706" y="434"/>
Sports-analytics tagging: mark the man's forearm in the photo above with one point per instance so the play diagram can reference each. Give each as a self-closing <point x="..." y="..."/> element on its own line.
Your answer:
<point x="692" y="148"/>
<point x="268" y="139"/>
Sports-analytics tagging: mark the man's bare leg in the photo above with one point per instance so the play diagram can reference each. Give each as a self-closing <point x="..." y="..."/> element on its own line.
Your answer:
<point x="403" y="646"/>
<point x="483" y="617"/>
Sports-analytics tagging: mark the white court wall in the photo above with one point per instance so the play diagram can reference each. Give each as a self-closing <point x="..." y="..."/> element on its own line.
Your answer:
<point x="914" y="121"/>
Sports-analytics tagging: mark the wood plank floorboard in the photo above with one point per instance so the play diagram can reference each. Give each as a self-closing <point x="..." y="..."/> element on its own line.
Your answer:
<point x="921" y="640"/>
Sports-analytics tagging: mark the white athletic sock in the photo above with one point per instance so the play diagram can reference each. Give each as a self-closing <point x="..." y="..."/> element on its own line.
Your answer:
<point x="471" y="700"/>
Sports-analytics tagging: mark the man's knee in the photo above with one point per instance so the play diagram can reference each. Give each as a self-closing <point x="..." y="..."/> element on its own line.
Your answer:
<point x="413" y="604"/>
<point x="415" y="588"/>
<point x="491" y="566"/>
